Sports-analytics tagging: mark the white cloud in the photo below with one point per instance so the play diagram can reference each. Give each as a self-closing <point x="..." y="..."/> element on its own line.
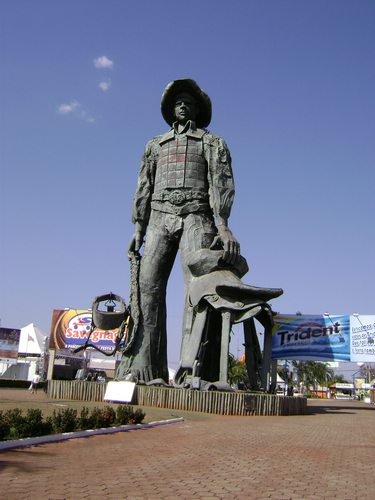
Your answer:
<point x="65" y="109"/>
<point x="103" y="62"/>
<point x="105" y="85"/>
<point x="74" y="108"/>
<point x="84" y="115"/>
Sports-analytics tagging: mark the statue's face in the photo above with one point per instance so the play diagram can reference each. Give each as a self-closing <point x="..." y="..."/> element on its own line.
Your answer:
<point x="185" y="108"/>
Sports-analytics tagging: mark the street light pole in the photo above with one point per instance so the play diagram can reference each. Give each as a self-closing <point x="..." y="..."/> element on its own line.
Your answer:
<point x="360" y="365"/>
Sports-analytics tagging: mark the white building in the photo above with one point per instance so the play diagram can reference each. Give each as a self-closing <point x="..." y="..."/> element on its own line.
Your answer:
<point x="31" y="355"/>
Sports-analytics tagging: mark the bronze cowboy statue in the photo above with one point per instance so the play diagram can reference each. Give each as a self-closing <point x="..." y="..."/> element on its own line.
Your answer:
<point x="182" y="203"/>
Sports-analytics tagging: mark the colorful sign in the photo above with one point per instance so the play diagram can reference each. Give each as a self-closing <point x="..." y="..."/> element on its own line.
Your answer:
<point x="9" y="342"/>
<point x="362" y="335"/>
<point x="71" y="327"/>
<point x="314" y="338"/>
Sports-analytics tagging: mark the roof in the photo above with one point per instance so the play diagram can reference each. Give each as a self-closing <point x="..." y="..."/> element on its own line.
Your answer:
<point x="32" y="340"/>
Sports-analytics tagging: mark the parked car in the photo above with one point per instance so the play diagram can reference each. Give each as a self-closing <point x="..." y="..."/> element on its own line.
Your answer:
<point x="99" y="376"/>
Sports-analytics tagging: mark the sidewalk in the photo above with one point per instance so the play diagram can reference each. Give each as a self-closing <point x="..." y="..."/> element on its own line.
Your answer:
<point x="328" y="454"/>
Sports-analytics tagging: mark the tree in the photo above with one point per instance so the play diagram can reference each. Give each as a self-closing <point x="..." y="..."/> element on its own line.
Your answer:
<point x="286" y="372"/>
<point x="368" y="372"/>
<point x="237" y="373"/>
<point x="313" y="373"/>
<point x="338" y="379"/>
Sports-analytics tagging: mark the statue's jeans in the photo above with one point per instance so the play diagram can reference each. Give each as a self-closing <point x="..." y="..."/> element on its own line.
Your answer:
<point x="166" y="234"/>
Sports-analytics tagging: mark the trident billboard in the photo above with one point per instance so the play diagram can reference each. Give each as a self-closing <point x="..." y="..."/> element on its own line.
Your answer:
<point x="324" y="337"/>
<point x="314" y="338"/>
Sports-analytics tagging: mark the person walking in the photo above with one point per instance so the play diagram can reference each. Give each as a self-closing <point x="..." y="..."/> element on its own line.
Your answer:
<point x="35" y="382"/>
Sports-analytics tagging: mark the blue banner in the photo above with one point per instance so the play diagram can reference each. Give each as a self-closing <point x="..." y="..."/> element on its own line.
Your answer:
<point x="312" y="338"/>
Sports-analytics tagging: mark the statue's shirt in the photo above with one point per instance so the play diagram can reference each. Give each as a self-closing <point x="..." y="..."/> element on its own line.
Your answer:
<point x="184" y="172"/>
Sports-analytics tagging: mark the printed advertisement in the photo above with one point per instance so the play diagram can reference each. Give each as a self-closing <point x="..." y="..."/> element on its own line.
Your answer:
<point x="71" y="327"/>
<point x="9" y="342"/>
<point x="362" y="333"/>
<point x="313" y="338"/>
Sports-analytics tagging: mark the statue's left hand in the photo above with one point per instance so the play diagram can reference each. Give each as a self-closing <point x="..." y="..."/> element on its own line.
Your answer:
<point x="230" y="244"/>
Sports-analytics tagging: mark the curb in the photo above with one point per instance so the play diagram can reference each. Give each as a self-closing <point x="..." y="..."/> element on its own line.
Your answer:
<point x="54" y="438"/>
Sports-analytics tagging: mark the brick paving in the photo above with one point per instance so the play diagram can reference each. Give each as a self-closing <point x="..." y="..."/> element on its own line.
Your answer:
<point x="327" y="454"/>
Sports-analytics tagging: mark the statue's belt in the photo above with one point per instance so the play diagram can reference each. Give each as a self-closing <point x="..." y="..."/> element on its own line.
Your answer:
<point x="180" y="196"/>
<point x="180" y="202"/>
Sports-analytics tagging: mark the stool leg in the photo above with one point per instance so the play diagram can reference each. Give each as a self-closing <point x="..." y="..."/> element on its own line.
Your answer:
<point x="253" y="356"/>
<point x="191" y="350"/>
<point x="224" y="352"/>
<point x="267" y="357"/>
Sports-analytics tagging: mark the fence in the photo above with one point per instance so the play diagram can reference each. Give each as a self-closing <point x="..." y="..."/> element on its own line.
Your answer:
<point x="222" y="403"/>
<point x="76" y="390"/>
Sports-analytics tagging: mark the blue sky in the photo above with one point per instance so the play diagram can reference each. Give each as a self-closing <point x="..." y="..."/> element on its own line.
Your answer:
<point x="292" y="85"/>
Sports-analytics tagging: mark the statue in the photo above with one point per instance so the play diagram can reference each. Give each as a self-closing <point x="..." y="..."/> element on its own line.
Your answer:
<point x="183" y="201"/>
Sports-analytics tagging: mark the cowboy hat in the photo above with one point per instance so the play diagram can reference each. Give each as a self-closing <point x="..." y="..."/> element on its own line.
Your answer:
<point x="223" y="290"/>
<point x="188" y="86"/>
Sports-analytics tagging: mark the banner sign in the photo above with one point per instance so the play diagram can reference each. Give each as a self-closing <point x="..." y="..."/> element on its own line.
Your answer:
<point x="9" y="342"/>
<point x="362" y="334"/>
<point x="313" y="338"/>
<point x="71" y="327"/>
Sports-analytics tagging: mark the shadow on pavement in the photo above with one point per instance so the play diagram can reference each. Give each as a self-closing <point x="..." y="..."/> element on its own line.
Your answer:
<point x="337" y="408"/>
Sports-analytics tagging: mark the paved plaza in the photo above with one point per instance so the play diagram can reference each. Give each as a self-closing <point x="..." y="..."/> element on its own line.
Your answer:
<point x="327" y="454"/>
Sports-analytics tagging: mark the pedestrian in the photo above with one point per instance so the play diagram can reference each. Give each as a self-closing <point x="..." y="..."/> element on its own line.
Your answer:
<point x="34" y="383"/>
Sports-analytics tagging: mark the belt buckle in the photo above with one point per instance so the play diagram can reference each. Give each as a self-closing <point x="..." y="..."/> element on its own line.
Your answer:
<point x="177" y="197"/>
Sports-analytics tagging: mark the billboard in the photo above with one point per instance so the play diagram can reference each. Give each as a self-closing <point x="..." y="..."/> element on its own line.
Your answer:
<point x="9" y="342"/>
<point x="311" y="337"/>
<point x="362" y="334"/>
<point x="71" y="327"/>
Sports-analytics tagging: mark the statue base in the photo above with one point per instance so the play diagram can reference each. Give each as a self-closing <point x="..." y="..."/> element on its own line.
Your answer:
<point x="219" y="402"/>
